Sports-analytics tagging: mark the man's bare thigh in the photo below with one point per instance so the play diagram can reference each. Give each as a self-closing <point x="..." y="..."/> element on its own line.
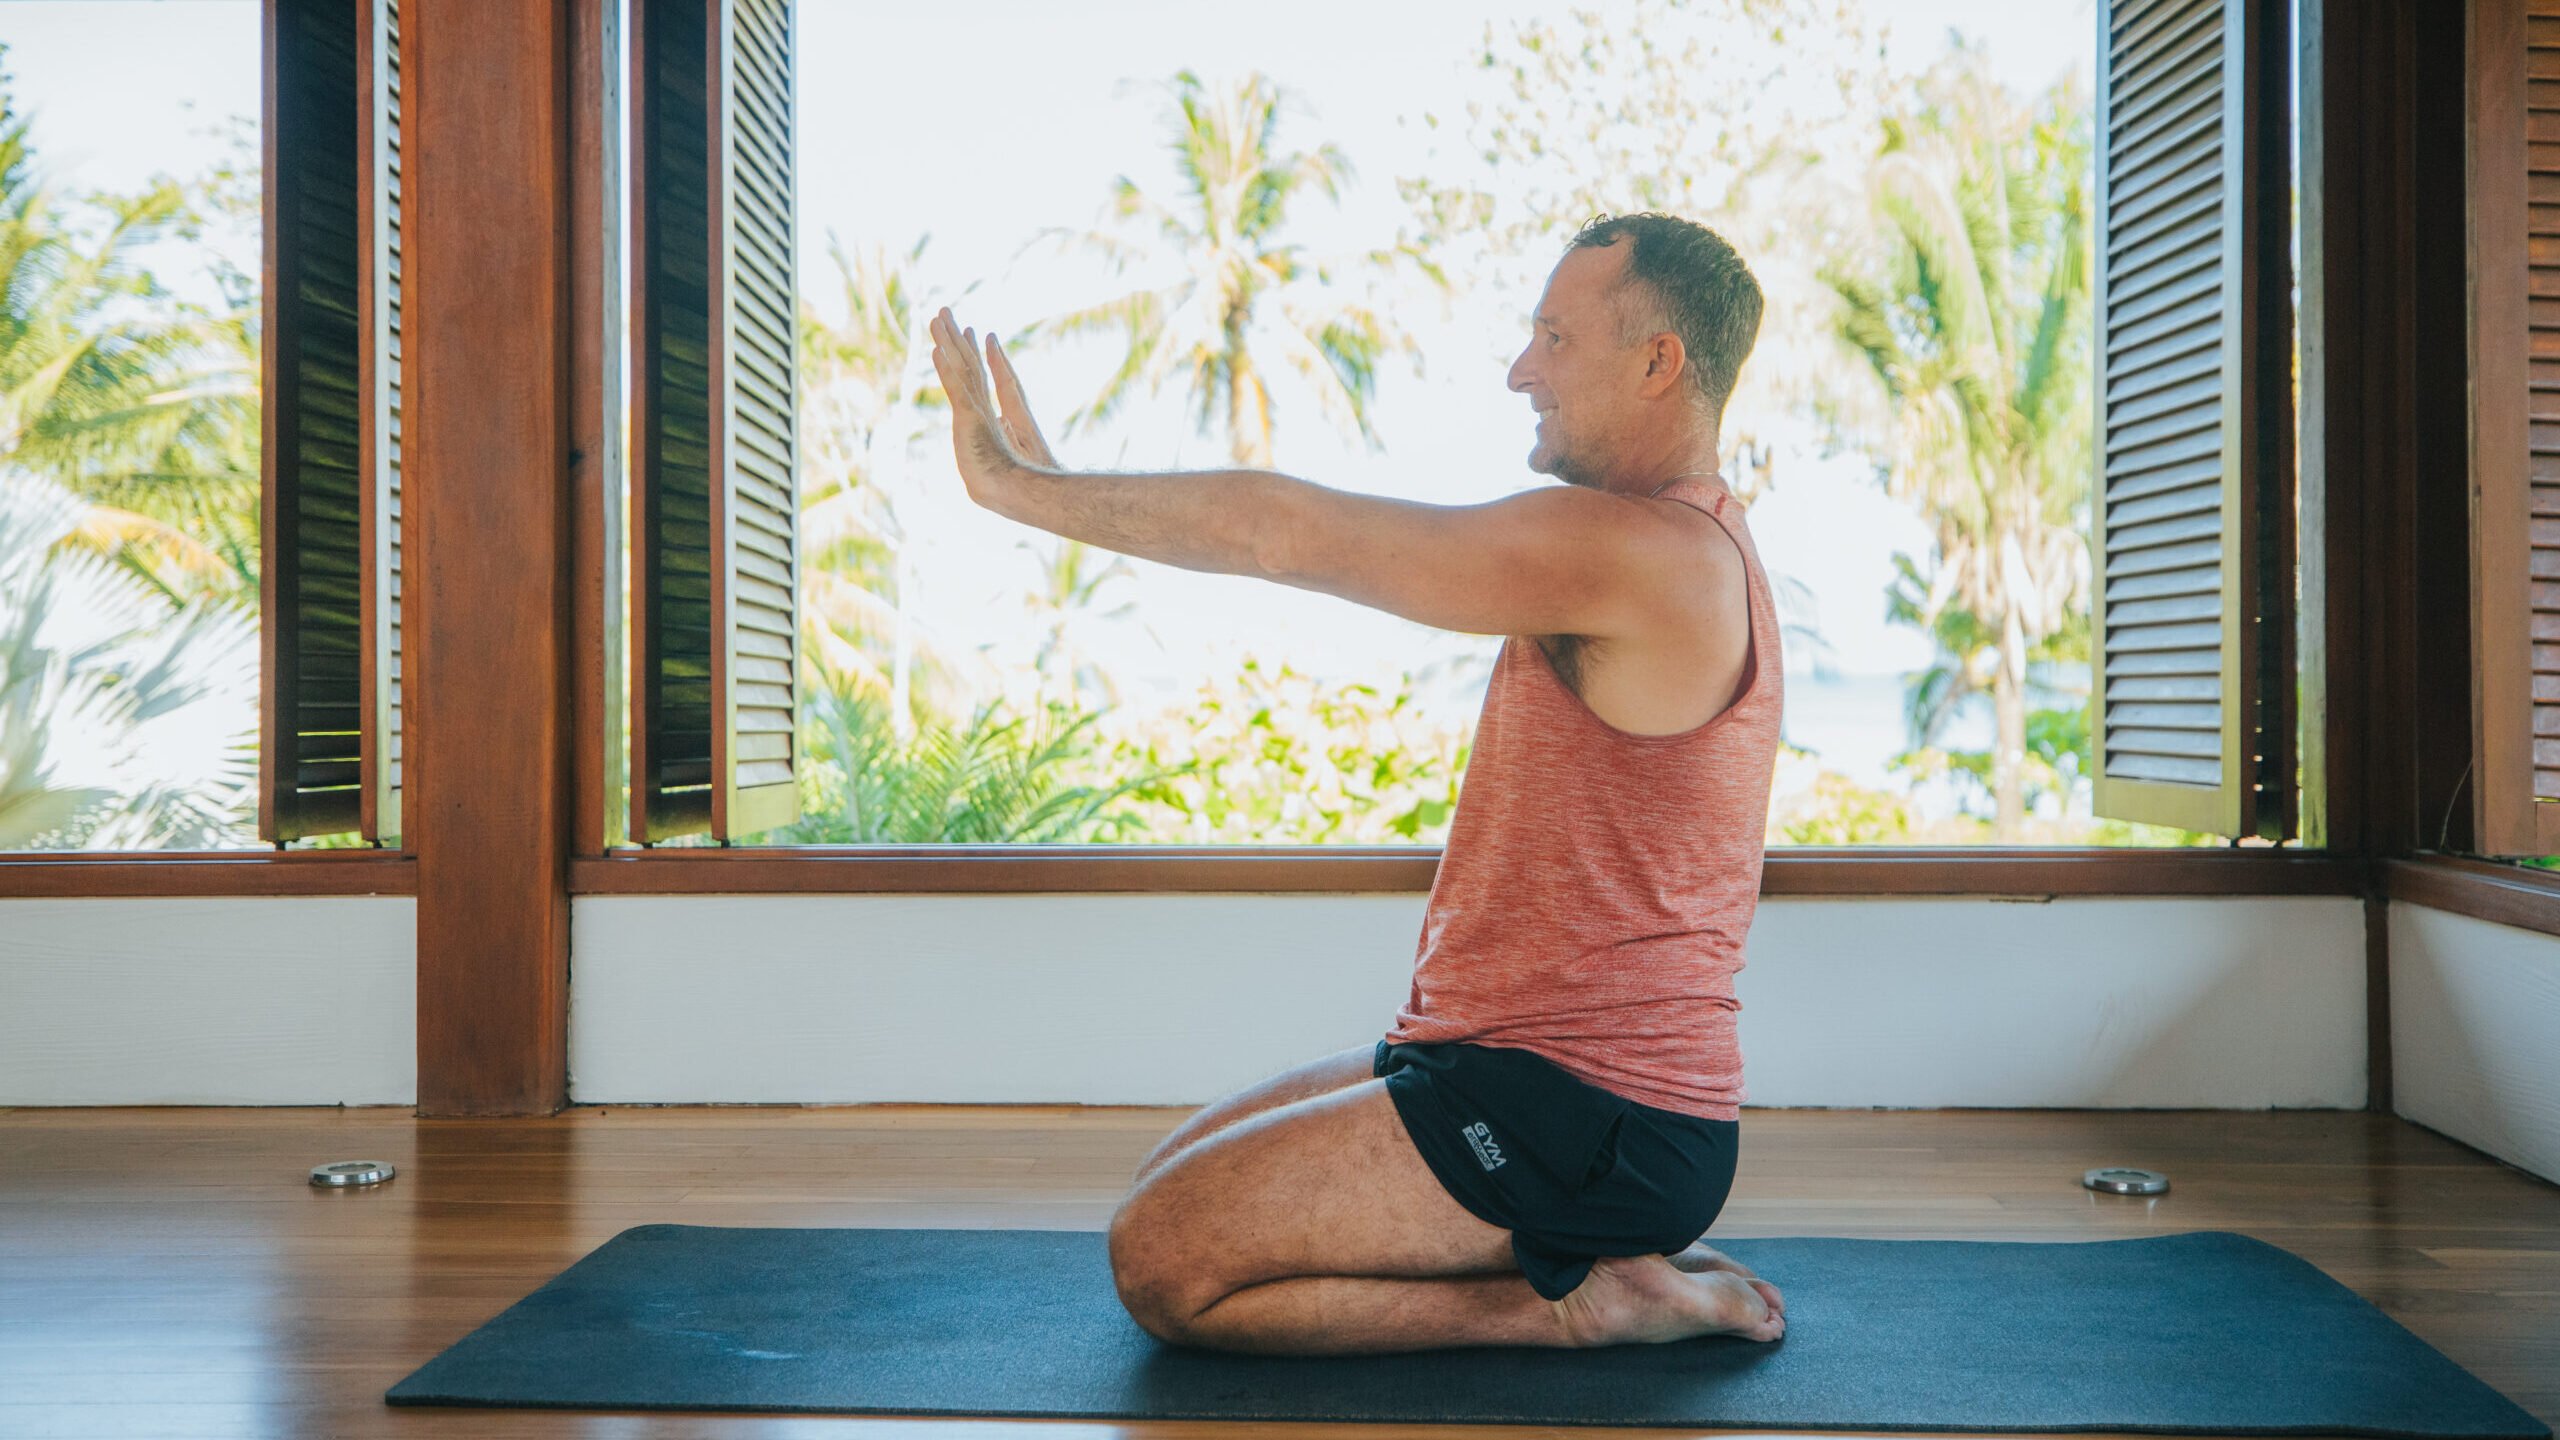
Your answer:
<point x="1337" y="1071"/>
<point x="1328" y="1185"/>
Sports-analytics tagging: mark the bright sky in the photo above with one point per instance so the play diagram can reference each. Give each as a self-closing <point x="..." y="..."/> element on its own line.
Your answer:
<point x="984" y="123"/>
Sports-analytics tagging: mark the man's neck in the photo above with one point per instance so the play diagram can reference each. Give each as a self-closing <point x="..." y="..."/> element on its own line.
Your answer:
<point x="1687" y="462"/>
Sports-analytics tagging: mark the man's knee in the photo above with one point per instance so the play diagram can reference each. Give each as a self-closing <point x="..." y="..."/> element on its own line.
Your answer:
<point x="1161" y="1289"/>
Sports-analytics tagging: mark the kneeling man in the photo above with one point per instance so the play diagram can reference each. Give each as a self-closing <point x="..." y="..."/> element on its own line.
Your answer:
<point x="1532" y="1152"/>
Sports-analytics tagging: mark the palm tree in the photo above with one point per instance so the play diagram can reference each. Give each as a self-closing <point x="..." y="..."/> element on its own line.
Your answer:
<point x="94" y="660"/>
<point x="1242" y="299"/>
<point x="866" y="388"/>
<point x="1065" y="606"/>
<point x="147" y="410"/>
<point x="1971" y="312"/>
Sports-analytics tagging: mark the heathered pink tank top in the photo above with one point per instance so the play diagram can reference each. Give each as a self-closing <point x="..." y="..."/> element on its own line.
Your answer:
<point x="1592" y="900"/>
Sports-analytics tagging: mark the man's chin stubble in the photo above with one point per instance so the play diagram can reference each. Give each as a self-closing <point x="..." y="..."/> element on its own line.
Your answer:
<point x="1563" y="468"/>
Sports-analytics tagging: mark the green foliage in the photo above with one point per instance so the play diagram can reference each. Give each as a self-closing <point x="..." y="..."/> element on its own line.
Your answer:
<point x="144" y="407"/>
<point x="91" y="656"/>
<point x="1272" y="756"/>
<point x="2057" y="758"/>
<point x="1246" y="298"/>
<point x="1730" y="112"/>
<point x="128" y="519"/>
<point x="1065" y="607"/>
<point x="1969" y="308"/>
<point x="1835" y="810"/>
<point x="866" y="391"/>
<point x="991" y="778"/>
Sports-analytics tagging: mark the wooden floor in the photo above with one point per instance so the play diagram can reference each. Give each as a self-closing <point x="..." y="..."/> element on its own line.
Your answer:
<point x="168" y="1273"/>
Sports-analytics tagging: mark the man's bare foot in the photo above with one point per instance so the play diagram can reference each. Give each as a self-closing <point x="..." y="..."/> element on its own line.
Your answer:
<point x="1701" y="1257"/>
<point x="1644" y="1299"/>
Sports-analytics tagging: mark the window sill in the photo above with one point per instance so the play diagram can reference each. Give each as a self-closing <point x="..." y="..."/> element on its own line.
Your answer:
<point x="2033" y="874"/>
<point x="1002" y="869"/>
<point x="99" y="874"/>
<point x="2482" y="889"/>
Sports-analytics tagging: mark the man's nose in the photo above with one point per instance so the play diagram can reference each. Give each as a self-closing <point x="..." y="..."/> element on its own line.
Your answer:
<point x="1520" y="379"/>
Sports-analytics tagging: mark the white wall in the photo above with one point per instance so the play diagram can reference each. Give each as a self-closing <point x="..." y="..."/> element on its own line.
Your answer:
<point x="2475" y="1033"/>
<point x="1172" y="999"/>
<point x="286" y="1000"/>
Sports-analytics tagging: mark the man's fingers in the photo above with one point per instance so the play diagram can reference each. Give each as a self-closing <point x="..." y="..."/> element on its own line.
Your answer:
<point x="1019" y="422"/>
<point x="1008" y="384"/>
<point x="955" y="357"/>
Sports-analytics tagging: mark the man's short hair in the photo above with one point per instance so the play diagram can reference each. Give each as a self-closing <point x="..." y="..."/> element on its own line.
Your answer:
<point x="1699" y="288"/>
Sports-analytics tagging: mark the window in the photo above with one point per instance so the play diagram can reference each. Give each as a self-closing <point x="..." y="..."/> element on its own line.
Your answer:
<point x="966" y="680"/>
<point x="828" y="645"/>
<point x="130" y="553"/>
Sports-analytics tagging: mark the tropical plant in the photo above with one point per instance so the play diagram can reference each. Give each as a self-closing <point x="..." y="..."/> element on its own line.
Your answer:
<point x="1723" y="111"/>
<point x="1065" y="606"/>
<point x="113" y="701"/>
<point x="992" y="778"/>
<point x="1811" y="805"/>
<point x="1272" y="756"/>
<point x="866" y="391"/>
<point x="1232" y="296"/>
<point x="142" y="406"/>
<point x="1970" y="310"/>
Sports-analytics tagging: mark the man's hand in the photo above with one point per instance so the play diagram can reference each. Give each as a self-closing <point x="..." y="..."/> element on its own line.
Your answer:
<point x="993" y="436"/>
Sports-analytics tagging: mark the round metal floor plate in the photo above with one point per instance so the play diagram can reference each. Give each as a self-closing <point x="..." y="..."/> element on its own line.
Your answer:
<point x="345" y="1174"/>
<point x="2125" y="1180"/>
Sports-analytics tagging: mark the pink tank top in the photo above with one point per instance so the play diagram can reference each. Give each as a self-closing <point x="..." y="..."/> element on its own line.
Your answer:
<point x="1591" y="903"/>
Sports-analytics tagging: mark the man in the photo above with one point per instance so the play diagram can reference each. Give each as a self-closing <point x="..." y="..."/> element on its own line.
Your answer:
<point x="1530" y="1153"/>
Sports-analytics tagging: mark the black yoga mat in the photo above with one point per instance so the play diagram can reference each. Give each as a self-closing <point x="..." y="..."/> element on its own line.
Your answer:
<point x="2180" y="1334"/>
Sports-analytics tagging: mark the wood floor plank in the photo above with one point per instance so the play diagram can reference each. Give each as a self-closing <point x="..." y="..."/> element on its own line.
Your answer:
<point x="219" y="1295"/>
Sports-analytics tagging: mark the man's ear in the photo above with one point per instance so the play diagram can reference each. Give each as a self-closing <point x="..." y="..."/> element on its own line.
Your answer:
<point x="1666" y="362"/>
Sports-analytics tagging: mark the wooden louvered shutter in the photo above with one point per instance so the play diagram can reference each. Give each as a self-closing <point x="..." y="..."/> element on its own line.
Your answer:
<point x="380" y="293"/>
<point x="2514" y="139"/>
<point x="715" y="421"/>
<point x="328" y="760"/>
<point x="2194" y="686"/>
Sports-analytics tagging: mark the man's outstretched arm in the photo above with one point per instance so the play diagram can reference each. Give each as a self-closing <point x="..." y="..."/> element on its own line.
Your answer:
<point x="1557" y="561"/>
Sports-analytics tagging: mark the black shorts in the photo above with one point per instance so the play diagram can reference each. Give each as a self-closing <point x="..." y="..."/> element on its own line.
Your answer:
<point x="1571" y="1170"/>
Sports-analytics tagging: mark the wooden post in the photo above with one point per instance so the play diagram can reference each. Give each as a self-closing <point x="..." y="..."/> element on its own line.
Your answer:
<point x="490" y="331"/>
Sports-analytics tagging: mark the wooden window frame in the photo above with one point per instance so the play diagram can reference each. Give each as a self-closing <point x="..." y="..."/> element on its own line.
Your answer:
<point x="598" y="865"/>
<point x="2515" y="895"/>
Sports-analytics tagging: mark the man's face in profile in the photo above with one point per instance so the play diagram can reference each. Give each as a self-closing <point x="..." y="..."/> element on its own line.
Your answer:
<point x="1577" y="372"/>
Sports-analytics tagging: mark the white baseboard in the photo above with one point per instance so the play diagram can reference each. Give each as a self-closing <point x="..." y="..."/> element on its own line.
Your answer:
<point x="1165" y="999"/>
<point x="1175" y="999"/>
<point x="278" y="1000"/>
<point x="2475" y="1033"/>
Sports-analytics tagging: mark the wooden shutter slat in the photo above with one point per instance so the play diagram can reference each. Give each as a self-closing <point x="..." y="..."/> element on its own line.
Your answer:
<point x="2186" y="733"/>
<point x="2192" y="316"/>
<point x="2165" y="582"/>
<point x="2187" y="106"/>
